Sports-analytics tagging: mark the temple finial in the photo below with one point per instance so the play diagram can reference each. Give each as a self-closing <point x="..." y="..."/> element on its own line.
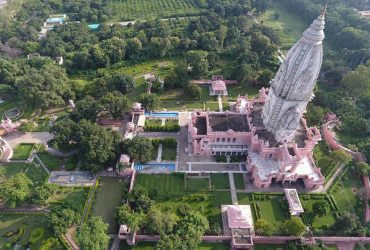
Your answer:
<point x="324" y="7"/>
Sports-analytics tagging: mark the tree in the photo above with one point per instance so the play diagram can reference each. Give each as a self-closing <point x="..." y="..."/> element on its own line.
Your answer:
<point x="362" y="168"/>
<point x="179" y="77"/>
<point x="320" y="208"/>
<point x="160" y="222"/>
<point x="114" y="48"/>
<point x="356" y="83"/>
<point x="16" y="189"/>
<point x="170" y="242"/>
<point x="64" y="134"/>
<point x="97" y="145"/>
<point x="139" y="149"/>
<point x="262" y="45"/>
<point x="340" y="157"/>
<point x="191" y="229"/>
<point x="133" y="48"/>
<point x="315" y="114"/>
<point x="193" y="90"/>
<point x="139" y="200"/>
<point x="149" y="101"/>
<point x="120" y="82"/>
<point x="98" y="57"/>
<point x="294" y="226"/>
<point x="86" y="108"/>
<point x="125" y="216"/>
<point x="244" y="74"/>
<point x="348" y="224"/>
<point x="265" y="77"/>
<point x="264" y="227"/>
<point x="45" y="87"/>
<point x="115" y="103"/>
<point x="93" y="234"/>
<point x="62" y="218"/>
<point x="41" y="194"/>
<point x="198" y="62"/>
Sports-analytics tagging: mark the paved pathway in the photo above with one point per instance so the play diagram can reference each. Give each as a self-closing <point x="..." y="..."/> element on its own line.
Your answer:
<point x="29" y="137"/>
<point x="69" y="238"/>
<point x="234" y="197"/>
<point x="159" y="155"/>
<point x="219" y="99"/>
<point x="115" y="244"/>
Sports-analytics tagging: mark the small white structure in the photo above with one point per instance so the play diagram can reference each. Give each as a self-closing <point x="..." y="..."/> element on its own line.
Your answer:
<point x="295" y="206"/>
<point x="59" y="60"/>
<point x="34" y="55"/>
<point x="218" y="86"/>
<point x="71" y="103"/>
<point x="149" y="77"/>
<point x="141" y="121"/>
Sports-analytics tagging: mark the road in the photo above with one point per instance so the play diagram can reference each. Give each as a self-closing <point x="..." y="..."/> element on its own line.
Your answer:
<point x="29" y="137"/>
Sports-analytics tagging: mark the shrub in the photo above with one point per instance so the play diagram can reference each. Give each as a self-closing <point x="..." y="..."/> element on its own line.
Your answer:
<point x="36" y="235"/>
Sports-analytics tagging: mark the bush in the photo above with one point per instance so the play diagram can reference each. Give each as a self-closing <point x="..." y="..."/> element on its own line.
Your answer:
<point x="165" y="128"/>
<point x="36" y="235"/>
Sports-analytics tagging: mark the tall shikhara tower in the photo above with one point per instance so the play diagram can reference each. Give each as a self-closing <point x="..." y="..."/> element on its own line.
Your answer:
<point x="292" y="87"/>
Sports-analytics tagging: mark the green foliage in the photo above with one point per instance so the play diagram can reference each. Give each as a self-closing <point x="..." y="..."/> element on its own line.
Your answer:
<point x="198" y="62"/>
<point x="262" y="226"/>
<point x="16" y="189"/>
<point x="139" y="200"/>
<point x="162" y="223"/>
<point x="62" y="218"/>
<point x="293" y="226"/>
<point x="125" y="216"/>
<point x="41" y="194"/>
<point x="320" y="208"/>
<point x="139" y="148"/>
<point x="149" y="101"/>
<point x="192" y="90"/>
<point x="93" y="234"/>
<point x="159" y="128"/>
<point x="348" y="224"/>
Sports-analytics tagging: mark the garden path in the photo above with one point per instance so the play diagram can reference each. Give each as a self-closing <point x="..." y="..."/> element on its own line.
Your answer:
<point x="234" y="197"/>
<point x="29" y="137"/>
<point x="88" y="205"/>
<point x="333" y="178"/>
<point x="219" y="99"/>
<point x="159" y="155"/>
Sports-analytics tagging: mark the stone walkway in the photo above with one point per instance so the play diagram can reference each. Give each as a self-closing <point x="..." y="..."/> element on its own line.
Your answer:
<point x="333" y="178"/>
<point x="234" y="197"/>
<point x="219" y="99"/>
<point x="29" y="137"/>
<point x="159" y="155"/>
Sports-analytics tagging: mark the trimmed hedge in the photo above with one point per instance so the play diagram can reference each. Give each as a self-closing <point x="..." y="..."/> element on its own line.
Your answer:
<point x="165" y="128"/>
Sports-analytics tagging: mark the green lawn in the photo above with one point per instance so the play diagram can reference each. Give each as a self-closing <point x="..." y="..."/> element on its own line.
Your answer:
<point x="316" y="221"/>
<point x="153" y="122"/>
<point x="169" y="153"/>
<point x="242" y="90"/>
<point x="141" y="245"/>
<point x="272" y="211"/>
<point x="195" y="184"/>
<point x="214" y="246"/>
<point x="26" y="230"/>
<point x="239" y="181"/>
<point x="22" y="151"/>
<point x="36" y="174"/>
<point x="173" y="183"/>
<point x="289" y="26"/>
<point x="52" y="162"/>
<point x="220" y="181"/>
<point x="74" y="196"/>
<point x="108" y="197"/>
<point x="245" y="198"/>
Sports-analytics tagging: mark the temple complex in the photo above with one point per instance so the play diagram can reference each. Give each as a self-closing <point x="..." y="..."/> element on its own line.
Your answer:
<point x="270" y="130"/>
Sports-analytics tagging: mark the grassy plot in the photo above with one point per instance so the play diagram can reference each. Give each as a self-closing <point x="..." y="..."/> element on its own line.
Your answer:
<point x="197" y="184"/>
<point x="269" y="247"/>
<point x="36" y="174"/>
<point x="108" y="197"/>
<point x="169" y="153"/>
<point x="73" y="196"/>
<point x="22" y="151"/>
<point x="27" y="231"/>
<point x="239" y="181"/>
<point x="220" y="181"/>
<point x="52" y="162"/>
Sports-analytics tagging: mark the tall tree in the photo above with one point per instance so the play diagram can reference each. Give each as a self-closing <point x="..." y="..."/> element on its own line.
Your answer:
<point x="16" y="189"/>
<point x="294" y="226"/>
<point x="139" y="149"/>
<point x="198" y="62"/>
<point x="93" y="234"/>
<point x="149" y="101"/>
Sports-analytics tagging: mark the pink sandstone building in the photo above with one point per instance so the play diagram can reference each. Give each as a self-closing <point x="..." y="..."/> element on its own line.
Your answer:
<point x="270" y="130"/>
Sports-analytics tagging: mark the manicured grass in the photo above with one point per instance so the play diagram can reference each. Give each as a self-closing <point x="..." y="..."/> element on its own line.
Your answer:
<point x="245" y="198"/>
<point x="242" y="90"/>
<point x="239" y="181"/>
<point x="141" y="245"/>
<point x="290" y="26"/>
<point x="201" y="184"/>
<point x="169" y="153"/>
<point x="74" y="196"/>
<point x="27" y="230"/>
<point x="35" y="173"/>
<point x="173" y="183"/>
<point x="146" y="9"/>
<point x="22" y="151"/>
<point x="52" y="162"/>
<point x="220" y="181"/>
<point x="109" y="196"/>
<point x="272" y="211"/>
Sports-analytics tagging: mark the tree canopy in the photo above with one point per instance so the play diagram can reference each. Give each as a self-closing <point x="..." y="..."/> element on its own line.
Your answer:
<point x="93" y="234"/>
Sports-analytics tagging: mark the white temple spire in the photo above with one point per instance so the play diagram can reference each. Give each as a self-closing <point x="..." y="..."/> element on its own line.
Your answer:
<point x="292" y="87"/>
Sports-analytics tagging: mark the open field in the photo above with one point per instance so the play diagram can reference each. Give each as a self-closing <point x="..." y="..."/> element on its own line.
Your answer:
<point x="290" y="26"/>
<point x="28" y="231"/>
<point x="220" y="181"/>
<point x="22" y="151"/>
<point x="53" y="163"/>
<point x="109" y="196"/>
<point x="169" y="153"/>
<point x="146" y="9"/>
<point x="239" y="181"/>
<point x="74" y="196"/>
